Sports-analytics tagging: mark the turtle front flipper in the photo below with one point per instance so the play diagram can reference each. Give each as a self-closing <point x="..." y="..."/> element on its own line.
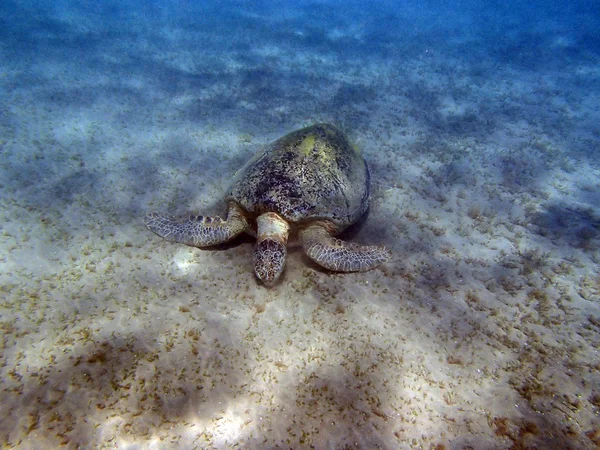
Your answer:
<point x="198" y="231"/>
<point x="337" y="255"/>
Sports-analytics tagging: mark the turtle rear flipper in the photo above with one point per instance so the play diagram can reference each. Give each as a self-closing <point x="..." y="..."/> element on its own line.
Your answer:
<point x="340" y="256"/>
<point x="198" y="231"/>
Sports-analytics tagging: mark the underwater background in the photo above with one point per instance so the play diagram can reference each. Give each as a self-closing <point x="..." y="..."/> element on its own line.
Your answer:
<point x="480" y="124"/>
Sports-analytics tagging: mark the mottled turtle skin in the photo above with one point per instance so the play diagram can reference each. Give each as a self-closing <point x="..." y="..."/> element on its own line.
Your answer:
<point x="309" y="186"/>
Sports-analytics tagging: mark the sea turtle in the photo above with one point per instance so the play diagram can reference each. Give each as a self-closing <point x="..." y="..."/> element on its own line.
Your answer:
<point x="308" y="186"/>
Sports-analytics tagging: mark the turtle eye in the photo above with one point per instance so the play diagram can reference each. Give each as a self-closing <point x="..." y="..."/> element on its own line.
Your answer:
<point x="269" y="260"/>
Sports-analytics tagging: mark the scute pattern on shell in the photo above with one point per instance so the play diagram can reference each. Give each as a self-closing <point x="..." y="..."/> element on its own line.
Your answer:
<point x="310" y="174"/>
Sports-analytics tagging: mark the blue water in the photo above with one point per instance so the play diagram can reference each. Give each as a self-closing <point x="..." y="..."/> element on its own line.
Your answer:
<point x="314" y="48"/>
<point x="480" y="124"/>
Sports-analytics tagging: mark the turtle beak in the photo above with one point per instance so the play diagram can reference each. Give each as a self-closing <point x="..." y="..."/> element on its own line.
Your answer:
<point x="269" y="260"/>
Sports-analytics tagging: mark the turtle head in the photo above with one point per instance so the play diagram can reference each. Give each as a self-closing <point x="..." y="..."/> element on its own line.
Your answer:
<point x="269" y="261"/>
<point x="270" y="251"/>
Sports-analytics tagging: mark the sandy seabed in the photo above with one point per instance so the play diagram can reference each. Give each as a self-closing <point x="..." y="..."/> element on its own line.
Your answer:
<point x="482" y="332"/>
